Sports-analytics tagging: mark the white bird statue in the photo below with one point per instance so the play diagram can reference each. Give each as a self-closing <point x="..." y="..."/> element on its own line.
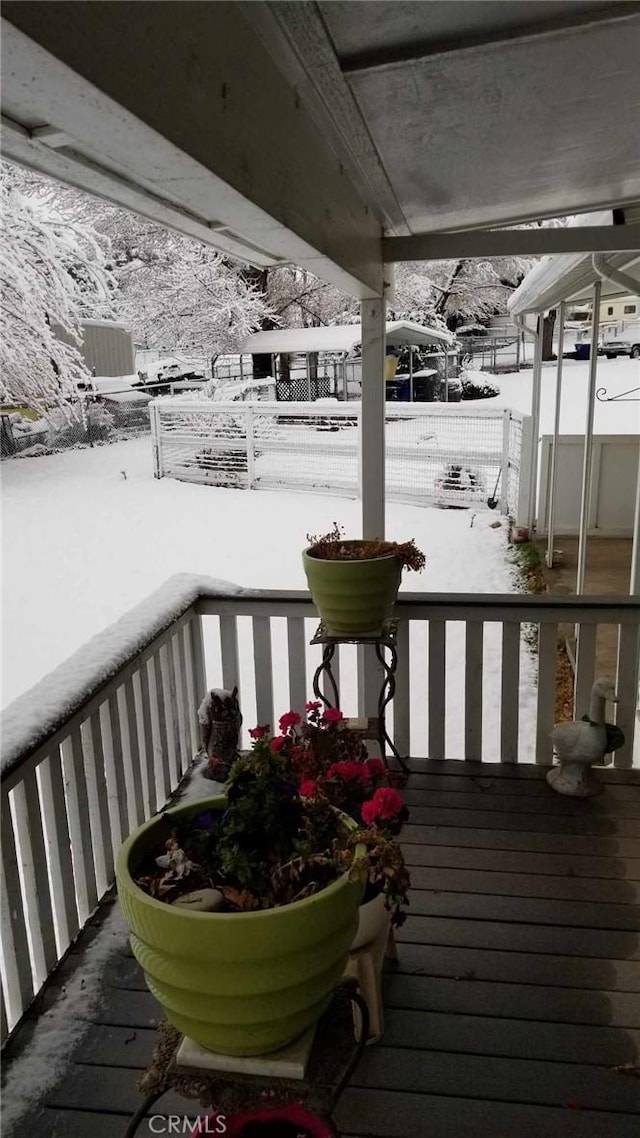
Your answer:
<point x="583" y="742"/>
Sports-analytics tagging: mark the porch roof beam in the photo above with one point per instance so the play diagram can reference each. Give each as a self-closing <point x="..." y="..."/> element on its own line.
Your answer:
<point x="512" y="242"/>
<point x="194" y="111"/>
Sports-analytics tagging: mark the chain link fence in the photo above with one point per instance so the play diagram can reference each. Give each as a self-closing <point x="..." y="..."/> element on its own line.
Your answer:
<point x="90" y="421"/>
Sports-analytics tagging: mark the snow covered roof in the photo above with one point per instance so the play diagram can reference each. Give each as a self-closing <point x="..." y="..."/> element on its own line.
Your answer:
<point x="572" y="276"/>
<point x="340" y="338"/>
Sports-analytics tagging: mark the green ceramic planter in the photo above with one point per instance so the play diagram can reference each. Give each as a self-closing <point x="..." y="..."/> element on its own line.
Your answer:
<point x="353" y="598"/>
<point x="238" y="983"/>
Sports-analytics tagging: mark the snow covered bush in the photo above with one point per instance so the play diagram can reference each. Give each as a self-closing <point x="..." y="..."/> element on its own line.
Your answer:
<point x="52" y="274"/>
<point x="476" y="386"/>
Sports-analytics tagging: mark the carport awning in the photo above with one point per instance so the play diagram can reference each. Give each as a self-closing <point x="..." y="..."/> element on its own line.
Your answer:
<point x="341" y="338"/>
<point x="572" y="276"/>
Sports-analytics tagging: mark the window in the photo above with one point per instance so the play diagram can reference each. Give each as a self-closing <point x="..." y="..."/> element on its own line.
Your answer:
<point x="610" y="310"/>
<point x="629" y="309"/>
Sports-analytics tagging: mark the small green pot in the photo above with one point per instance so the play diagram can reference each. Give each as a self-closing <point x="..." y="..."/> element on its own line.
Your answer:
<point x="237" y="983"/>
<point x="353" y="598"/>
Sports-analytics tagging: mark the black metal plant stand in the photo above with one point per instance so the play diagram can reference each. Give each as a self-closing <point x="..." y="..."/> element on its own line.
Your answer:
<point x="336" y="1052"/>
<point x="384" y="640"/>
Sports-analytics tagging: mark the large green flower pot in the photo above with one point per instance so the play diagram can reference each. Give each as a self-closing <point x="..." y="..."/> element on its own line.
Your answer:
<point x="237" y="983"/>
<point x="353" y="598"/>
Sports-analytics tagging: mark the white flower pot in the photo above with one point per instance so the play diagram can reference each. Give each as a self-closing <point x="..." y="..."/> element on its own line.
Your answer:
<point x="372" y="917"/>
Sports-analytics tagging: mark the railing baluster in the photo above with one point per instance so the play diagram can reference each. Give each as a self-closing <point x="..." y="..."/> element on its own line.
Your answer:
<point x="585" y="667"/>
<point x="262" y="668"/>
<point x="158" y="730"/>
<point x="15" y="945"/>
<point x="473" y="691"/>
<point x="177" y="652"/>
<point x="98" y="801"/>
<point x="130" y="753"/>
<point x="145" y="740"/>
<point x="510" y="699"/>
<point x="402" y="698"/>
<point x="37" y="899"/>
<point x="79" y="825"/>
<point x="229" y="652"/>
<point x="437" y="688"/>
<point x="192" y="701"/>
<point x="56" y="827"/>
<point x="297" y="663"/>
<point x="168" y="703"/>
<point x="197" y="655"/>
<point x="114" y="770"/>
<point x="545" y="716"/>
<point x="627" y="691"/>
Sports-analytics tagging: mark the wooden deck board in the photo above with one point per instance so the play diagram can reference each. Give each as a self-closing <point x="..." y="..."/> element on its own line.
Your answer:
<point x="515" y="996"/>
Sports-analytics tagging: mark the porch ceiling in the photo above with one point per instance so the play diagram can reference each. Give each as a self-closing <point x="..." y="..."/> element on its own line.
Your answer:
<point x="304" y="132"/>
<point x="482" y="114"/>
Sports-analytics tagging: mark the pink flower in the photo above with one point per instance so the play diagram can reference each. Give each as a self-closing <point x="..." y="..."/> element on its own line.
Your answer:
<point x="332" y="715"/>
<point x="385" y="805"/>
<point x="277" y="742"/>
<point x="289" y="719"/>
<point x="259" y="732"/>
<point x="308" y="788"/>
<point x="349" y="771"/>
<point x="313" y="705"/>
<point x="375" y="767"/>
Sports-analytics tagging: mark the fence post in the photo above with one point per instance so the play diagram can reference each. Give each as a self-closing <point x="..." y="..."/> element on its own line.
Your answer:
<point x="504" y="472"/>
<point x="156" y="444"/>
<point x="251" y="458"/>
<point x="524" y="473"/>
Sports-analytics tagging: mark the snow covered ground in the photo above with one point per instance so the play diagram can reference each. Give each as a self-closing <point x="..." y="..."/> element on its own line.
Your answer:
<point x="616" y="376"/>
<point x="89" y="533"/>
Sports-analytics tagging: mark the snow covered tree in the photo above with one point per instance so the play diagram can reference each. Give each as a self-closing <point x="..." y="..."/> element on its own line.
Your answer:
<point x="174" y="292"/>
<point x="52" y="274"/>
<point x="185" y="297"/>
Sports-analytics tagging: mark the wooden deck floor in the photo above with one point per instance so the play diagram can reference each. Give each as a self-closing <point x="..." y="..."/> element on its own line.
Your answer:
<point x="514" y="1011"/>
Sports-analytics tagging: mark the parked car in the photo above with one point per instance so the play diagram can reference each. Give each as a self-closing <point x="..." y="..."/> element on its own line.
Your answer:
<point x="613" y="348"/>
<point x="163" y="374"/>
<point x="129" y="408"/>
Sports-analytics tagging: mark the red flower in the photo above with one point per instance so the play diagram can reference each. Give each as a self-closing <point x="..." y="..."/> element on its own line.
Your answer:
<point x="375" y="767"/>
<point x="277" y="742"/>
<point x="385" y="805"/>
<point x="332" y="715"/>
<point x="313" y="705"/>
<point x="349" y="771"/>
<point x="289" y="719"/>
<point x="308" y="788"/>
<point x="259" y="732"/>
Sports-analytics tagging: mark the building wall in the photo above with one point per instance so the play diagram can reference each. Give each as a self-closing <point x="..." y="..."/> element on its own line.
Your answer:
<point x="614" y="476"/>
<point x="107" y="348"/>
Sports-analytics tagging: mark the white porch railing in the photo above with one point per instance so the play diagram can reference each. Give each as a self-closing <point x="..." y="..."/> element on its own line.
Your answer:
<point x="98" y="746"/>
<point x="442" y="454"/>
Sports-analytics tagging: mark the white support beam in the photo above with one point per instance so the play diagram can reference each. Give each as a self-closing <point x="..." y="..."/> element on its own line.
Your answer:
<point x="195" y="113"/>
<point x="512" y="242"/>
<point x="553" y="474"/>
<point x="372" y="409"/>
<point x="536" y="385"/>
<point x="588" y="441"/>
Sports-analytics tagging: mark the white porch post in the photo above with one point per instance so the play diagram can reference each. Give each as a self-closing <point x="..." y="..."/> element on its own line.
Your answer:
<point x="588" y="440"/>
<point x="372" y="488"/>
<point x="535" y="427"/>
<point x="634" y="583"/>
<point x="553" y="479"/>
<point x="371" y="472"/>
